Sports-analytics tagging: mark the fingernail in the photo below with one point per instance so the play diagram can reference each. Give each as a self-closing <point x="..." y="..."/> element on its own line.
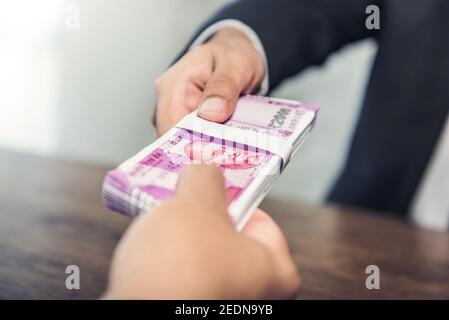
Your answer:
<point x="213" y="105"/>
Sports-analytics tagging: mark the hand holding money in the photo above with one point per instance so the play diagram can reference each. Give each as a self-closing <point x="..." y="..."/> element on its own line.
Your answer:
<point x="251" y="149"/>
<point x="211" y="77"/>
<point x="189" y="249"/>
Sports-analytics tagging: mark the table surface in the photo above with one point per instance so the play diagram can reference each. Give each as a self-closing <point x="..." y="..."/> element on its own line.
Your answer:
<point x="51" y="216"/>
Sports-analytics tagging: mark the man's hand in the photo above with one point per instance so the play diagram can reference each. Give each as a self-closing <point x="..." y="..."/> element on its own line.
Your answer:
<point x="209" y="77"/>
<point x="187" y="248"/>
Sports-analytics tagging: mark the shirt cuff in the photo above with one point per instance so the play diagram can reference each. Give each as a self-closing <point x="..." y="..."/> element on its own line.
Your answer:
<point x="249" y="32"/>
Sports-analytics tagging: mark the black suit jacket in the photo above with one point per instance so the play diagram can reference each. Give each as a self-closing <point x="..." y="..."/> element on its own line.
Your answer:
<point x="407" y="98"/>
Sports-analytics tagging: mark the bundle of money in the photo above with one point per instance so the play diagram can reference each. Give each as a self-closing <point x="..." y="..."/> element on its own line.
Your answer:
<point x="251" y="149"/>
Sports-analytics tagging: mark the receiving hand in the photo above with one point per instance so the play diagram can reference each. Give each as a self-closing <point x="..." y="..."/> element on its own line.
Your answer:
<point x="188" y="248"/>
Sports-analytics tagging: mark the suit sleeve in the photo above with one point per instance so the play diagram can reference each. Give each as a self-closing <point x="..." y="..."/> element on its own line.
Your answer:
<point x="298" y="33"/>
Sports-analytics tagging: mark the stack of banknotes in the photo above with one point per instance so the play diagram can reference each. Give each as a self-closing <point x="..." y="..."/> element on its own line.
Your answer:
<point x="251" y="149"/>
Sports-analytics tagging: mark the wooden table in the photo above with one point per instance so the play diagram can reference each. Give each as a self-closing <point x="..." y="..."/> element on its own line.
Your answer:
<point x="51" y="216"/>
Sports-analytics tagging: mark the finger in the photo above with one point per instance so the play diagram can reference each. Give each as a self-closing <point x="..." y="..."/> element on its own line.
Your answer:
<point x="176" y="98"/>
<point x="222" y="92"/>
<point x="180" y="88"/>
<point x="204" y="184"/>
<point x="262" y="228"/>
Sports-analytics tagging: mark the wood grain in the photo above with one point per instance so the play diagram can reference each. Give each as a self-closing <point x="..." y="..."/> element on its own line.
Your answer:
<point x="333" y="247"/>
<point x="51" y="216"/>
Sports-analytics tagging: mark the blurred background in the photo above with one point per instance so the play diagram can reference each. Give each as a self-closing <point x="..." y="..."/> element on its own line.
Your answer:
<point x="76" y="82"/>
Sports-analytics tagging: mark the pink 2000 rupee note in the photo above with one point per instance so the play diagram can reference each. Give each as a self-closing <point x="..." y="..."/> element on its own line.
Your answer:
<point x="249" y="170"/>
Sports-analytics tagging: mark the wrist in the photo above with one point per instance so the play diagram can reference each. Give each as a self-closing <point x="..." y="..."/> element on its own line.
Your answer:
<point x="230" y="35"/>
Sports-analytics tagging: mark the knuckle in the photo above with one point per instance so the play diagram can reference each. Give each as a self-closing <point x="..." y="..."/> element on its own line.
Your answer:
<point x="200" y="49"/>
<point x="159" y="82"/>
<point x="235" y="54"/>
<point x="225" y="83"/>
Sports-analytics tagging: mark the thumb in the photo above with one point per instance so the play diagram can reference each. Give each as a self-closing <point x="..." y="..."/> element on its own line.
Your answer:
<point x="221" y="94"/>
<point x="204" y="185"/>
